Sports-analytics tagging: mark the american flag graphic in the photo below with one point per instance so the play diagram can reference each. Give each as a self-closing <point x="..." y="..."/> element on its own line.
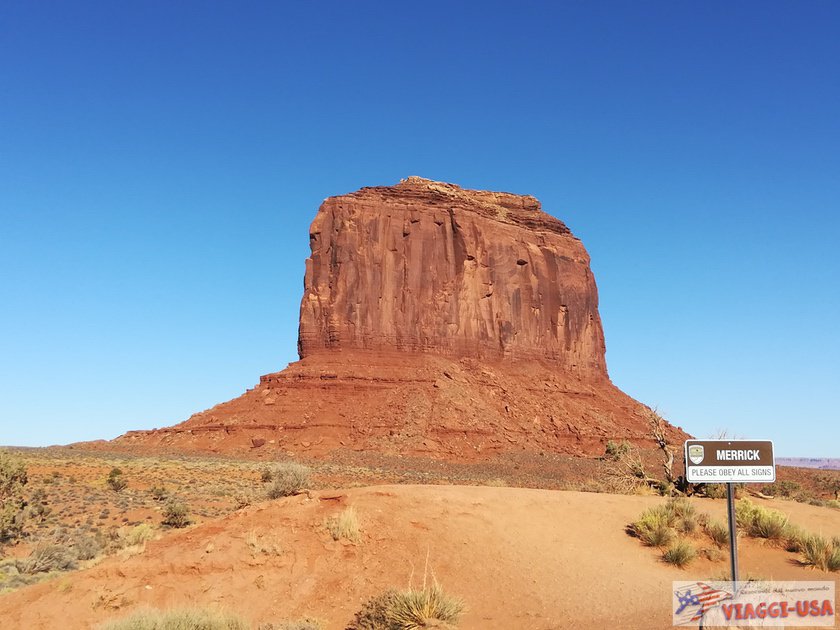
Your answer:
<point x="694" y="600"/>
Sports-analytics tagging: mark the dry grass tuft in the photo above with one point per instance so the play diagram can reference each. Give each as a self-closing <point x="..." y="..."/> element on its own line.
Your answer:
<point x="411" y="609"/>
<point x="680" y="554"/>
<point x="345" y="525"/>
<point x="182" y="619"/>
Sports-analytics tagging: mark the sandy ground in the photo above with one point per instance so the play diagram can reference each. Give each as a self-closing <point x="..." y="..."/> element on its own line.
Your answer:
<point x="519" y="558"/>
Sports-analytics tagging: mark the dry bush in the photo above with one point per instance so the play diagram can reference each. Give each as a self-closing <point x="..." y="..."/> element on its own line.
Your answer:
<point x="175" y="514"/>
<point x="345" y="525"/>
<point x="410" y="609"/>
<point x="288" y="478"/>
<point x="47" y="557"/>
<point x="86" y="547"/>
<point x="181" y="619"/>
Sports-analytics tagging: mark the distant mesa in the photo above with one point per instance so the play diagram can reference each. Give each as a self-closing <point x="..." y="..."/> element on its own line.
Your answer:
<point x="434" y="320"/>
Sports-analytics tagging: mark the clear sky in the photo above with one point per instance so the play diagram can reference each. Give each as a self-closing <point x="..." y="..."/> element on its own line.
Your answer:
<point x="160" y="163"/>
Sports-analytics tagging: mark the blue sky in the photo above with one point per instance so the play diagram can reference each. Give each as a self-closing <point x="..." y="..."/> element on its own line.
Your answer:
<point x="160" y="164"/>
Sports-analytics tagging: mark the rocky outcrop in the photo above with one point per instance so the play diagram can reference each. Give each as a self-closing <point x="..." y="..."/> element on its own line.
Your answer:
<point x="434" y="320"/>
<point x="429" y="267"/>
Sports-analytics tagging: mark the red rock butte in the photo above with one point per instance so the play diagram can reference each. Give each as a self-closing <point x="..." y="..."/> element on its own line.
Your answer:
<point x="434" y="320"/>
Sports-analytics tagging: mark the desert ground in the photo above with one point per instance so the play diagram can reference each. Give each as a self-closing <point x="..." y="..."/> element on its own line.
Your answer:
<point x="518" y="557"/>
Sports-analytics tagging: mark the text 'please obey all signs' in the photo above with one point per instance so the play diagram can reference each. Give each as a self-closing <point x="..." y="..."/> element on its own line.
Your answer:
<point x="729" y="461"/>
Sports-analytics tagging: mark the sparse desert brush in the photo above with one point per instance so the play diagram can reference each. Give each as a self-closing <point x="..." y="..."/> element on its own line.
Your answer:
<point x="718" y="532"/>
<point x="288" y="478"/>
<point x="47" y="557"/>
<point x="345" y="525"/>
<point x="680" y="554"/>
<point x="410" y="609"/>
<point x="182" y="619"/>
<point x="496" y="482"/>
<point x="266" y="475"/>
<point x="175" y="514"/>
<point x="13" y="478"/>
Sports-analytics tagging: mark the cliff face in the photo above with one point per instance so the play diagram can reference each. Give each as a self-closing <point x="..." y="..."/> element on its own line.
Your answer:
<point x="429" y="267"/>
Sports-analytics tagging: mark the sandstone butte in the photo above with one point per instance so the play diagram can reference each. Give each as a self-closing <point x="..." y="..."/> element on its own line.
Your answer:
<point x="434" y="321"/>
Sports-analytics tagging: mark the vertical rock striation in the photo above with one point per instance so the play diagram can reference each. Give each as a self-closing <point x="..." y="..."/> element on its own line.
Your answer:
<point x="430" y="267"/>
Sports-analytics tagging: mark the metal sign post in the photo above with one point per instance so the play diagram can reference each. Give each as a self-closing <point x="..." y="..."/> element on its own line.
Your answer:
<point x="733" y="534"/>
<point x="730" y="462"/>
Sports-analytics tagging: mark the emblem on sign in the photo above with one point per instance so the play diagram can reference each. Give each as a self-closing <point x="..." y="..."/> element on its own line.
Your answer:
<point x="695" y="453"/>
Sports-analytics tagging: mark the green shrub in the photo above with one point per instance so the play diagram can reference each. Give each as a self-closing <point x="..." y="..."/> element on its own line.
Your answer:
<point x="288" y="478"/>
<point x="654" y="527"/>
<point x="680" y="554"/>
<point x="184" y="619"/>
<point x="175" y="514"/>
<point x="47" y="557"/>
